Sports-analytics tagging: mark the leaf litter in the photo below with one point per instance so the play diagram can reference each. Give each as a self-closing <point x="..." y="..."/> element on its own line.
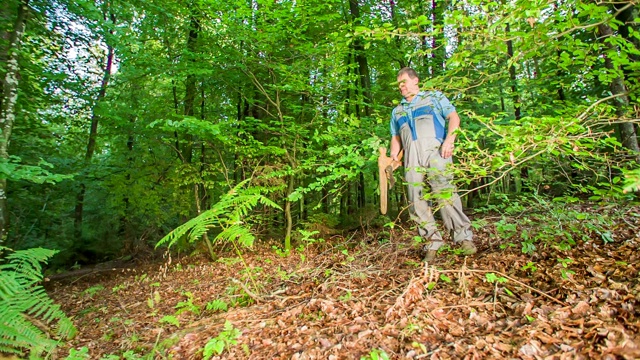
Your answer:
<point x="348" y="296"/>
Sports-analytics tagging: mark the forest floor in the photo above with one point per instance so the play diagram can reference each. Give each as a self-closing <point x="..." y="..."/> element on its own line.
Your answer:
<point x="367" y="296"/>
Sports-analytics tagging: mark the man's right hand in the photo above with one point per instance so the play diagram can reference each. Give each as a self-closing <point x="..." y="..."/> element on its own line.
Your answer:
<point x="396" y="147"/>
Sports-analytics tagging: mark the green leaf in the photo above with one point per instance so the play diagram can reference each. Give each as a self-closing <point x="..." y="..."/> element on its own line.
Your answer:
<point x="491" y="277"/>
<point x="213" y="347"/>
<point x="170" y="319"/>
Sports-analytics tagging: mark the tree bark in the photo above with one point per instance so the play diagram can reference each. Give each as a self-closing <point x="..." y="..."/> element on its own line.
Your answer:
<point x="361" y="59"/>
<point x="512" y="76"/>
<point x="625" y="30"/>
<point x="176" y="107"/>
<point x="364" y="82"/>
<point x="93" y="133"/>
<point x="398" y="41"/>
<point x="9" y="99"/>
<point x="287" y="211"/>
<point x="627" y="130"/>
<point x="190" y="85"/>
<point x="438" y="52"/>
<point x="347" y="97"/>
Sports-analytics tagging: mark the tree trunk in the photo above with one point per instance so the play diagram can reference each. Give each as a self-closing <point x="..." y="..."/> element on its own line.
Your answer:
<point x="125" y="225"/>
<point x="93" y="133"/>
<point x="287" y="213"/>
<point x="398" y="40"/>
<point x="9" y="99"/>
<point x="628" y="135"/>
<point x="190" y="85"/>
<point x="438" y="52"/>
<point x="626" y="30"/>
<point x="176" y="107"/>
<point x="361" y="59"/>
<point x="560" y="76"/>
<point x="524" y="171"/>
<point x="203" y="201"/>
<point x="347" y="97"/>
<point x="512" y="76"/>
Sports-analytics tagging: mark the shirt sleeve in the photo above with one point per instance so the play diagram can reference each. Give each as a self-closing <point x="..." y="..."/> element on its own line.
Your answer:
<point x="393" y="124"/>
<point x="443" y="104"/>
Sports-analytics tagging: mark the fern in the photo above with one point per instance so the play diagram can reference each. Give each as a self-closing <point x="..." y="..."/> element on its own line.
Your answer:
<point x="228" y="214"/>
<point x="170" y="319"/>
<point x="27" y="314"/>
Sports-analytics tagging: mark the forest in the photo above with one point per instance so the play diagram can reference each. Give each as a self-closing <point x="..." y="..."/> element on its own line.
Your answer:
<point x="198" y="179"/>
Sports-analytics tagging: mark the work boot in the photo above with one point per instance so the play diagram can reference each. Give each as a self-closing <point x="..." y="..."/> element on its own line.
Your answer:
<point x="431" y="256"/>
<point x="467" y="247"/>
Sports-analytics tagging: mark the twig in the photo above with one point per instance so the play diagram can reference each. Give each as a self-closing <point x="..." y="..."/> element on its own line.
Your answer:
<point x="585" y="113"/>
<point x="263" y="299"/>
<point x="512" y="279"/>
<point x="255" y="297"/>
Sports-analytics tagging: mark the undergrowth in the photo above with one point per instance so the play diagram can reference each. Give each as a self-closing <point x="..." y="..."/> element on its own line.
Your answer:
<point x="31" y="322"/>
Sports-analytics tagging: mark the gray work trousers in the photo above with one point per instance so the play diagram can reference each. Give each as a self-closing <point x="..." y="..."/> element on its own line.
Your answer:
<point x="424" y="160"/>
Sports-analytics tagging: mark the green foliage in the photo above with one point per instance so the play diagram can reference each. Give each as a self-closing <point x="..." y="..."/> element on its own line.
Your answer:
<point x="83" y="353"/>
<point x="75" y="354"/>
<point x="93" y="290"/>
<point x="493" y="278"/>
<point x="565" y="272"/>
<point x="287" y="107"/>
<point x="25" y="306"/>
<point x="632" y="180"/>
<point x="170" y="319"/>
<point x="228" y="214"/>
<point x="530" y="267"/>
<point x="281" y="252"/>
<point x="154" y="300"/>
<point x="227" y="338"/>
<point x="307" y="237"/>
<point x="217" y="305"/>
<point x="376" y="354"/>
<point x="561" y="223"/>
<point x="12" y="169"/>
<point x="187" y="305"/>
<point x="346" y="297"/>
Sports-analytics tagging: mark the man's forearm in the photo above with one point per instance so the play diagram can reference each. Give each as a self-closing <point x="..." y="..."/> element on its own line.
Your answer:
<point x="454" y="124"/>
<point x="396" y="146"/>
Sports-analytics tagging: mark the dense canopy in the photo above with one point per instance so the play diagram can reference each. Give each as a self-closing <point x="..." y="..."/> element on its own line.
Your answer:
<point x="130" y="128"/>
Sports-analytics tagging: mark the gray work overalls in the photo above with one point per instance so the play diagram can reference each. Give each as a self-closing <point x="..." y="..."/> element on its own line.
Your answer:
<point x="422" y="133"/>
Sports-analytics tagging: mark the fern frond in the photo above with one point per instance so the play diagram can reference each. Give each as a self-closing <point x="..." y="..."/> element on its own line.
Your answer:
<point x="200" y="223"/>
<point x="239" y="233"/>
<point x="26" y="311"/>
<point x="20" y="333"/>
<point x="228" y="213"/>
<point x="267" y="202"/>
<point x="27" y="263"/>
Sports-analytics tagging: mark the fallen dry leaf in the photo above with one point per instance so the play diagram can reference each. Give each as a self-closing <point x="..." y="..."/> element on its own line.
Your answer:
<point x="305" y="314"/>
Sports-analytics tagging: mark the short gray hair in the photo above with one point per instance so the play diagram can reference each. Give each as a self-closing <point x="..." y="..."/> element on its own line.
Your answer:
<point x="409" y="71"/>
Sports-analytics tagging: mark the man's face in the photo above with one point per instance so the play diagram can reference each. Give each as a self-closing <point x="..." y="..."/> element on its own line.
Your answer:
<point x="408" y="87"/>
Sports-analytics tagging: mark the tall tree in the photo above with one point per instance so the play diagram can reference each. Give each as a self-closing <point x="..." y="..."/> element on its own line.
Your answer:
<point x="95" y="118"/>
<point x="619" y="90"/>
<point x="8" y="100"/>
<point x="512" y="74"/>
<point x="364" y="81"/>
<point x="438" y="40"/>
<point x="190" y="83"/>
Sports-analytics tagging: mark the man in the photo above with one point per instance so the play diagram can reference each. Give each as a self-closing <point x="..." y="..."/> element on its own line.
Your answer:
<point x="418" y="127"/>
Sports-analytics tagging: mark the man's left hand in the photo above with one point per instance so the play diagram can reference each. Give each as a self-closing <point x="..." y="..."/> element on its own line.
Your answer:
<point x="446" y="150"/>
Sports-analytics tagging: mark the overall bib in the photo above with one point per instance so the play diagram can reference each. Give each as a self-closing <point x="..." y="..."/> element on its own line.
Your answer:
<point x="422" y="134"/>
